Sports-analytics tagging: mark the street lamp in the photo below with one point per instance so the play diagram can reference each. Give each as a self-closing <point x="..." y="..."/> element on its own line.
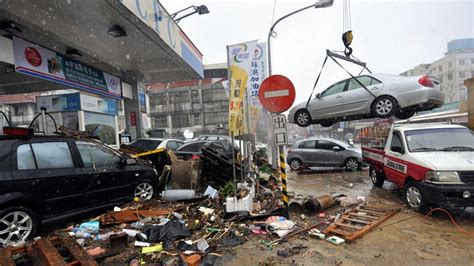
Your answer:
<point x="320" y="4"/>
<point x="201" y="10"/>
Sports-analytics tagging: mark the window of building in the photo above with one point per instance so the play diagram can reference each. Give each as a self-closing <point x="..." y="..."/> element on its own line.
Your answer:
<point x="450" y="76"/>
<point x="450" y="64"/>
<point x="160" y="121"/>
<point x="462" y="74"/>
<point x="461" y="62"/>
<point x="441" y="78"/>
<point x="440" y="68"/>
<point x="52" y="155"/>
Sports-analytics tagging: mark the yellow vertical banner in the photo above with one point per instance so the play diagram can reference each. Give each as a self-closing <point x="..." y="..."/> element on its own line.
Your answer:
<point x="239" y="59"/>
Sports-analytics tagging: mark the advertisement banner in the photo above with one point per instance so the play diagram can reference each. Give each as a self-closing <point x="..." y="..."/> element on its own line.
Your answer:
<point x="75" y="102"/>
<point x="239" y="59"/>
<point x="258" y="72"/>
<point x="101" y="126"/>
<point x="34" y="60"/>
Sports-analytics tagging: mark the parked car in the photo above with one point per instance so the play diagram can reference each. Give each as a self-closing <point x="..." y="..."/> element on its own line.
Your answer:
<point x="44" y="179"/>
<point x="194" y="148"/>
<point x="323" y="152"/>
<point x="155" y="143"/>
<point x="385" y="96"/>
<point x="432" y="163"/>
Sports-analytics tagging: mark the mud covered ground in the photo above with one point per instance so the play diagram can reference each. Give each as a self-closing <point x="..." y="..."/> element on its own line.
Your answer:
<point x="407" y="238"/>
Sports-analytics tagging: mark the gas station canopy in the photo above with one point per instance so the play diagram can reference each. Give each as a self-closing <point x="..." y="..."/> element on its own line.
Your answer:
<point x="129" y="39"/>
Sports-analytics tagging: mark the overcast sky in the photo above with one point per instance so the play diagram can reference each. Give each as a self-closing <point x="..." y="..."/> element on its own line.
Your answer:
<point x="390" y="35"/>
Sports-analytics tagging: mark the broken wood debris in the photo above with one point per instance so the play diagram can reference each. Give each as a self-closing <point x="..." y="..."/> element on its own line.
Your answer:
<point x="129" y="216"/>
<point x="52" y="251"/>
<point x="351" y="228"/>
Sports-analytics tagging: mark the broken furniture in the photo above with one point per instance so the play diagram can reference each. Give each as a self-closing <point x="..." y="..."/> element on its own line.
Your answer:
<point x="359" y="221"/>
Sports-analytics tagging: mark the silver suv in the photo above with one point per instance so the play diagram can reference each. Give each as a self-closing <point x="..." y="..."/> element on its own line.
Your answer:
<point x="323" y="152"/>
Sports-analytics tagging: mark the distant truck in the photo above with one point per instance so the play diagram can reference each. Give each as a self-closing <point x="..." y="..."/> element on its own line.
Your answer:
<point x="432" y="163"/>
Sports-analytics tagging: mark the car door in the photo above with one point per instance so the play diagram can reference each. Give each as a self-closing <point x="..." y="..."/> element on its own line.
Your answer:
<point x="47" y="171"/>
<point x="394" y="164"/>
<point x="328" y="104"/>
<point x="107" y="179"/>
<point x="327" y="155"/>
<point x="308" y="153"/>
<point x="357" y="99"/>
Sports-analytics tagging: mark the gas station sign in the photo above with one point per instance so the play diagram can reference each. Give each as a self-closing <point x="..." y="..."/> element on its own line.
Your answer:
<point x="34" y="60"/>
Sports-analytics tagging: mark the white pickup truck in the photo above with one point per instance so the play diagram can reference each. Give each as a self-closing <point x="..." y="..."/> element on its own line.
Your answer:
<point x="432" y="163"/>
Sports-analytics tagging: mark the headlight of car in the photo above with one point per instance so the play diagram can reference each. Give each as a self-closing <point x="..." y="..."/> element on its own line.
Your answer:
<point x="442" y="177"/>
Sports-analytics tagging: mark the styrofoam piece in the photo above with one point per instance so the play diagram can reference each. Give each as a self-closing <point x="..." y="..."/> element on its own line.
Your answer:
<point x="236" y="205"/>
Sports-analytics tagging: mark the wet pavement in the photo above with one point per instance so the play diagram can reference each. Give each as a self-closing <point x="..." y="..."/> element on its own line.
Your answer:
<point x="406" y="238"/>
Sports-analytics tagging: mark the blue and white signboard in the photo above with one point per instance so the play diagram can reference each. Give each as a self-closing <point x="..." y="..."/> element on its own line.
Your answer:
<point x="76" y="102"/>
<point x="34" y="60"/>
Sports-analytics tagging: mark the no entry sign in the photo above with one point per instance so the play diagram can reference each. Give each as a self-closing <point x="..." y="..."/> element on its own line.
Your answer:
<point x="276" y="93"/>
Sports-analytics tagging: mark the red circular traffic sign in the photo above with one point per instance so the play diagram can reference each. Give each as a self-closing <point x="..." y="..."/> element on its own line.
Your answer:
<point x="276" y="94"/>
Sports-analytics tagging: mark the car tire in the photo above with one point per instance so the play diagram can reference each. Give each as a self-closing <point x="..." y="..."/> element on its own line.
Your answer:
<point x="352" y="164"/>
<point x="385" y="106"/>
<point x="376" y="177"/>
<point x="144" y="190"/>
<point x="21" y="223"/>
<point x="303" y="118"/>
<point x="327" y="124"/>
<point x="414" y="197"/>
<point x="295" y="164"/>
<point x="401" y="114"/>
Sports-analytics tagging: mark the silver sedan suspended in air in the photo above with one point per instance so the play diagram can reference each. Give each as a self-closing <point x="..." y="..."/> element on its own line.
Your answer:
<point x="384" y="96"/>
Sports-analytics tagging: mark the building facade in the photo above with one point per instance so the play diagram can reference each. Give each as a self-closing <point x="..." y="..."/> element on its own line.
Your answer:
<point x="198" y="106"/>
<point x="456" y="66"/>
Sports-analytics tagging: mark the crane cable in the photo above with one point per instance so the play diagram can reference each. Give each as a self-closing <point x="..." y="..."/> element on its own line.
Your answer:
<point x="347" y="27"/>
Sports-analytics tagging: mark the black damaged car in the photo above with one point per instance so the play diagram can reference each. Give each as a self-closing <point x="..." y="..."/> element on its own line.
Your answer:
<point x="44" y="179"/>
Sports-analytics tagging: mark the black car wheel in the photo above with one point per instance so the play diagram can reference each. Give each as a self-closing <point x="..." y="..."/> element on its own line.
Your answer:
<point x="303" y="118"/>
<point x="295" y="164"/>
<point x="376" y="177"/>
<point x="415" y="198"/>
<point x="385" y="106"/>
<point x="17" y="224"/>
<point x="352" y="164"/>
<point x="144" y="191"/>
<point x="404" y="114"/>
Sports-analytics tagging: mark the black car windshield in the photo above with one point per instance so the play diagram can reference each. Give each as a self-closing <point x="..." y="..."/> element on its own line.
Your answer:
<point x="440" y="139"/>
<point x="145" y="144"/>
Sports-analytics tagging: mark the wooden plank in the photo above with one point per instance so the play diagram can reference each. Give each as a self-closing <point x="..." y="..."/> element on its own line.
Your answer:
<point x="339" y="232"/>
<point x="36" y="257"/>
<point x="373" y="212"/>
<point x="359" y="231"/>
<point x="49" y="252"/>
<point x="364" y="216"/>
<point x="356" y="220"/>
<point x="78" y="252"/>
<point x="348" y="226"/>
<point x="6" y="257"/>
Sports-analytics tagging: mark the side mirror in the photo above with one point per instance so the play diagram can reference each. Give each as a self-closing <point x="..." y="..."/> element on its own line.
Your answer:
<point x="127" y="161"/>
<point x="318" y="95"/>
<point x="336" y="148"/>
<point x="397" y="149"/>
